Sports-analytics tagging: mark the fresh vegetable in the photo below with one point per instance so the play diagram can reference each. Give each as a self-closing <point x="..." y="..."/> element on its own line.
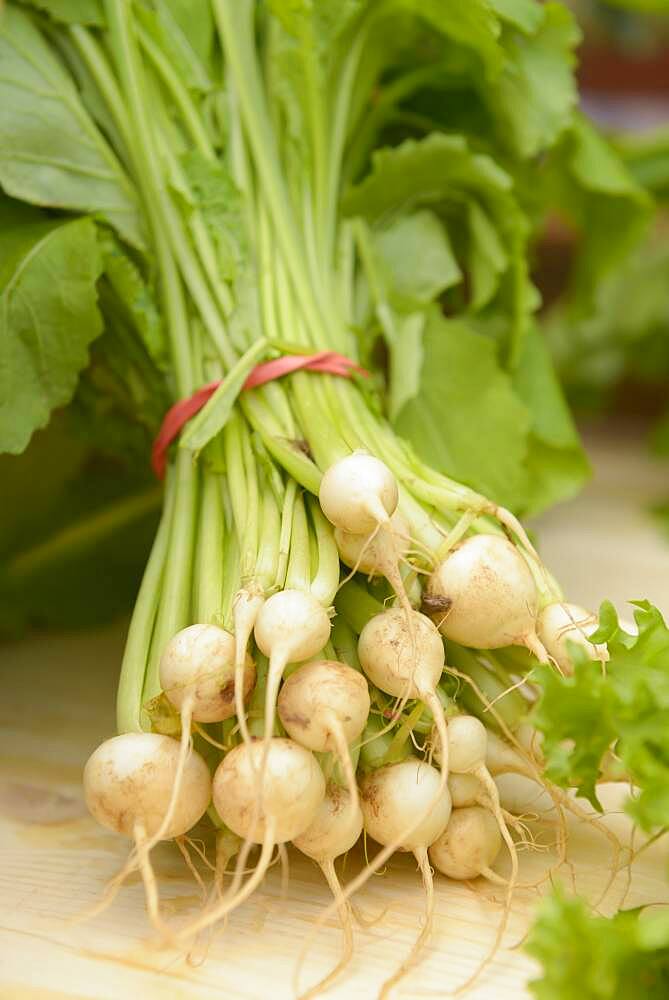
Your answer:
<point x="220" y="190"/>
<point x="406" y="807"/>
<point x="469" y="844"/>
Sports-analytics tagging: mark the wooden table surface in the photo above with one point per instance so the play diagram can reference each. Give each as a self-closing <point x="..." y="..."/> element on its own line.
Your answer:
<point x="57" y="704"/>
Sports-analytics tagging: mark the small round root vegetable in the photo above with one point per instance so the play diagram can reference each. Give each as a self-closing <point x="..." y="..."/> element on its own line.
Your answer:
<point x="396" y="792"/>
<point x="334" y="830"/>
<point x="197" y="674"/>
<point x="467" y="751"/>
<point x="197" y="667"/>
<point x="379" y="554"/>
<point x="469" y="845"/>
<point x="501" y="758"/>
<point x="129" y="780"/>
<point x="130" y="786"/>
<point x="389" y="797"/>
<point x="403" y="655"/>
<point x="291" y="626"/>
<point x="291" y="791"/>
<point x="483" y="595"/>
<point x="560" y="623"/>
<point x="245" y="610"/>
<point x="324" y="706"/>
<point x="465" y="790"/>
<point x="358" y="492"/>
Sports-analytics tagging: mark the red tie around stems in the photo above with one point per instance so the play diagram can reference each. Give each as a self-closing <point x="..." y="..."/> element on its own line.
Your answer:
<point x="327" y="362"/>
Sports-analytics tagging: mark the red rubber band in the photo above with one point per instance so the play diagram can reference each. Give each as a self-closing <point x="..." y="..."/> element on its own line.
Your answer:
<point x="326" y="362"/>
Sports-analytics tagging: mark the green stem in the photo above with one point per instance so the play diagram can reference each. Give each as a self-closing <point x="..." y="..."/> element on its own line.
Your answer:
<point x="509" y="705"/>
<point x="104" y="80"/>
<point x="235" y="25"/>
<point x="209" y="556"/>
<point x="286" y="531"/>
<point x="178" y="93"/>
<point x="326" y="579"/>
<point x="402" y="735"/>
<point x="150" y="182"/>
<point x="345" y="643"/>
<point x="138" y="641"/>
<point x="356" y="605"/>
<point x="298" y="576"/>
<point x="175" y="598"/>
<point x="267" y="565"/>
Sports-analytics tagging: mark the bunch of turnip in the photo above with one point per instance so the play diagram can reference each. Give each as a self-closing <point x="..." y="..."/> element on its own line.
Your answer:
<point x="294" y="732"/>
<point x="332" y="640"/>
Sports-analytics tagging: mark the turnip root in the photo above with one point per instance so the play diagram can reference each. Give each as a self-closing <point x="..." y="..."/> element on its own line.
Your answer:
<point x="245" y="610"/>
<point x="467" y="752"/>
<point x="465" y="790"/>
<point x="324" y="706"/>
<point x="131" y="787"/>
<point x="334" y="830"/>
<point x="501" y="758"/>
<point x="291" y="626"/>
<point x="469" y="845"/>
<point x="390" y="796"/>
<point x="379" y="554"/>
<point x="484" y="595"/>
<point x="197" y="668"/>
<point x="358" y="493"/>
<point x="392" y="793"/>
<point x="293" y="789"/>
<point x="287" y="802"/>
<point x="559" y="624"/>
<point x="128" y="783"/>
<point x="197" y="674"/>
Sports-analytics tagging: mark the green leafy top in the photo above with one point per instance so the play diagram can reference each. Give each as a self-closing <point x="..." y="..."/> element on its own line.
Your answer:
<point x="595" y="958"/>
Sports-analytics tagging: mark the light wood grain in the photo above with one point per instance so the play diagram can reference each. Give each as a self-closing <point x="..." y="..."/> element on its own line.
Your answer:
<point x="57" y="705"/>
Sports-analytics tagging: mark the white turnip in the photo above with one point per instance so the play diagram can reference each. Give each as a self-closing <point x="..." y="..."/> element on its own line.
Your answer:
<point x="290" y="627"/>
<point x="390" y="797"/>
<point x="559" y="624"/>
<point x="324" y="706"/>
<point x="197" y="673"/>
<point x="469" y="845"/>
<point x="483" y="595"/>
<point x="358" y="493"/>
<point x="334" y="830"/>
<point x="291" y="791"/>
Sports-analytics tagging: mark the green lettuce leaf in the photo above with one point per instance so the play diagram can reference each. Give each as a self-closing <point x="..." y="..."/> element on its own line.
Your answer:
<point x="211" y="191"/>
<point x="594" y="958"/>
<point x="446" y="174"/>
<point x="627" y="705"/>
<point x="136" y="299"/>
<point x="526" y="15"/>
